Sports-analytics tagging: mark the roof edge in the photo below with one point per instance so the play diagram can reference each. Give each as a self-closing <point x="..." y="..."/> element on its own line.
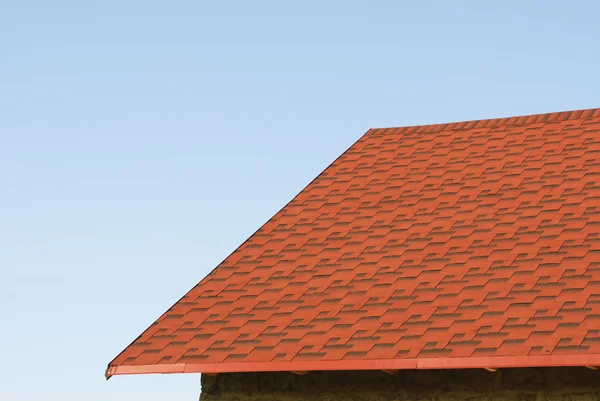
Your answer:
<point x="482" y="362"/>
<point x="501" y="121"/>
<point x="110" y="366"/>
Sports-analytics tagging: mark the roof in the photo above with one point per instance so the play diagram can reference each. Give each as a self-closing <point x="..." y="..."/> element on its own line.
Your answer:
<point x="471" y="244"/>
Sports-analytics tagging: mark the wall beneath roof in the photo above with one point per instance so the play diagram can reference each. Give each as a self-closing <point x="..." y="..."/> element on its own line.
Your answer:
<point x="550" y="384"/>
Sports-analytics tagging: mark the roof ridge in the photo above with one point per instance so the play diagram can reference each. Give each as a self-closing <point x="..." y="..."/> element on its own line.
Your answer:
<point x="494" y="122"/>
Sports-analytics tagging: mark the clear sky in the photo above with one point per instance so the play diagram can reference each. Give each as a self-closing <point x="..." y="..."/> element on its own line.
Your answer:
<point x="142" y="141"/>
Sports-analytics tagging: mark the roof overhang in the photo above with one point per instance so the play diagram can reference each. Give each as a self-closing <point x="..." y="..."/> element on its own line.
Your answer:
<point x="491" y="362"/>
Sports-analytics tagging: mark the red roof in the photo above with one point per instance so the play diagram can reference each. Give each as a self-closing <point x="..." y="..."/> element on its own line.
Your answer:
<point x="472" y="244"/>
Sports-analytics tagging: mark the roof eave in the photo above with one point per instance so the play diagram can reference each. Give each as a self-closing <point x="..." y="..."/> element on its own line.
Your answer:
<point x="482" y="362"/>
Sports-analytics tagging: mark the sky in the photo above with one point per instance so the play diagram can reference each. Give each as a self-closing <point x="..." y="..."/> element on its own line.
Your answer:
<point x="141" y="142"/>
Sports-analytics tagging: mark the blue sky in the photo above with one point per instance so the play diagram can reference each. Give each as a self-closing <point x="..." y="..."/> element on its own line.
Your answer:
<point x="142" y="141"/>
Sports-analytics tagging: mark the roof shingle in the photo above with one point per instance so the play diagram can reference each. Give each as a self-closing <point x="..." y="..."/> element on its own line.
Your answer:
<point x="472" y="244"/>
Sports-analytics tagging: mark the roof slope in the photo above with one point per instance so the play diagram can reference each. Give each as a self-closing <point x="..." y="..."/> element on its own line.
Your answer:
<point x="472" y="244"/>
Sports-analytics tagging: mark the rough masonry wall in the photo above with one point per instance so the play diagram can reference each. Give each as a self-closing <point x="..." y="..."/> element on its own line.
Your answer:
<point x="548" y="384"/>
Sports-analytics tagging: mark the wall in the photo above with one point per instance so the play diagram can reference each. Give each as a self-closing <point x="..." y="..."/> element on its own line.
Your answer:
<point x="549" y="384"/>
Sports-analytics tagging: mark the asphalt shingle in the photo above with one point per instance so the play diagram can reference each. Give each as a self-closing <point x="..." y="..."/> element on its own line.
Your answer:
<point x="451" y="245"/>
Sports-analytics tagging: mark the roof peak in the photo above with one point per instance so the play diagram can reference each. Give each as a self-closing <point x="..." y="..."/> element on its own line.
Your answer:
<point x="557" y="116"/>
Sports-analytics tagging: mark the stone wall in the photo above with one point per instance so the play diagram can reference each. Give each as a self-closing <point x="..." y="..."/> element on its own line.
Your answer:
<point x="547" y="384"/>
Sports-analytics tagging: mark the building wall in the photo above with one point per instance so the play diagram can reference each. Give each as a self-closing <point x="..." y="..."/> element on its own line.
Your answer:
<point x="549" y="384"/>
